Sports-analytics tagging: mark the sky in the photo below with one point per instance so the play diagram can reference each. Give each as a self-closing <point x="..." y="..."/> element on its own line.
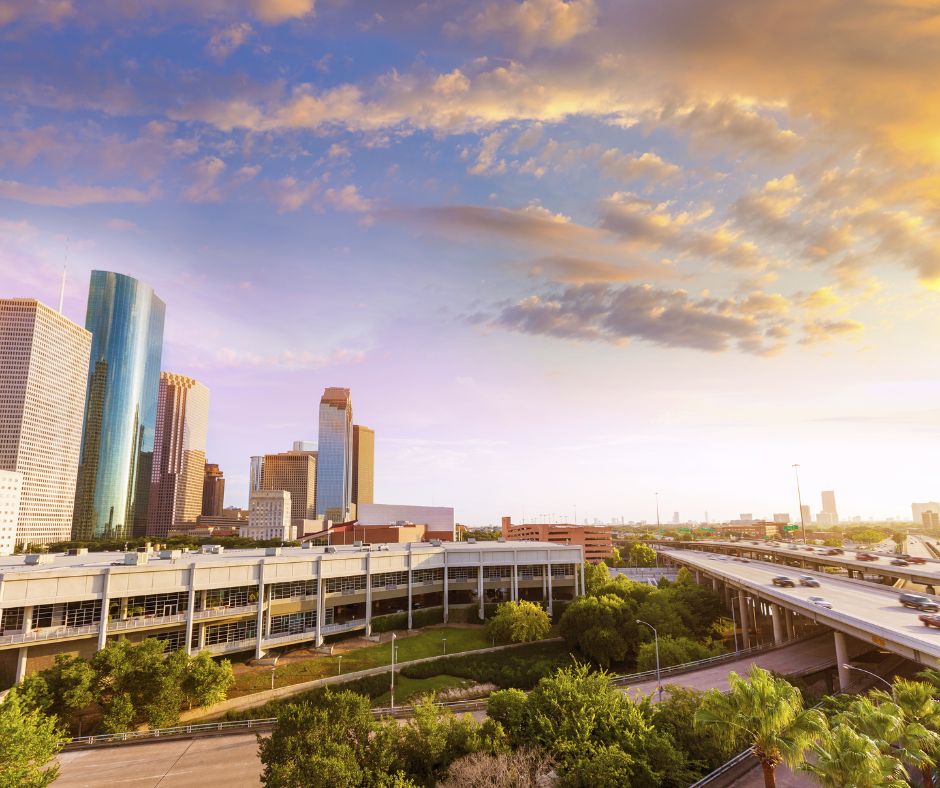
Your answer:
<point x="566" y="254"/>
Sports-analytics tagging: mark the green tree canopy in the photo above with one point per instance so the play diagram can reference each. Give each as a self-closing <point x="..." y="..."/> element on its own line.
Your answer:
<point x="673" y="651"/>
<point x="641" y="554"/>
<point x="63" y="689"/>
<point x="518" y="622"/>
<point x="595" y="575"/>
<point x="845" y="758"/>
<point x="603" y="629"/>
<point x="29" y="740"/>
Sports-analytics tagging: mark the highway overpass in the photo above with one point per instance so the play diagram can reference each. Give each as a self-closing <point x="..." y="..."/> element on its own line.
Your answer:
<point x="866" y="611"/>
<point x="813" y="557"/>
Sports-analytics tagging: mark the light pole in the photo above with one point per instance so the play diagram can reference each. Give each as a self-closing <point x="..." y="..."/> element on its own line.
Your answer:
<point x="339" y="665"/>
<point x="392" y="690"/>
<point x="873" y="675"/>
<point x="273" y="668"/>
<point x="659" y="683"/>
<point x="444" y="641"/>
<point x="799" y="499"/>
<point x="657" y="511"/>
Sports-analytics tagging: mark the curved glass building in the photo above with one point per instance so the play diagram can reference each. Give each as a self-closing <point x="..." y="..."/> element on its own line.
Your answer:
<point x="334" y="461"/>
<point x="125" y="318"/>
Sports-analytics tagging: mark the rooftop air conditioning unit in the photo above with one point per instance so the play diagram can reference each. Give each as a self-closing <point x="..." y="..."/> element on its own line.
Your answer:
<point x="357" y="543"/>
<point x="78" y="551"/>
<point x="39" y="558"/>
<point x="171" y="554"/>
<point x="435" y="542"/>
<point x="471" y="540"/>
<point x="272" y="550"/>
<point x="330" y="550"/>
<point x="135" y="559"/>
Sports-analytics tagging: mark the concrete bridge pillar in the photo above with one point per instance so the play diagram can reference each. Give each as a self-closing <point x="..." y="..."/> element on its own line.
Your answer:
<point x="842" y="658"/>
<point x="744" y="617"/>
<point x="714" y="584"/>
<point x="789" y="619"/>
<point x="776" y="615"/>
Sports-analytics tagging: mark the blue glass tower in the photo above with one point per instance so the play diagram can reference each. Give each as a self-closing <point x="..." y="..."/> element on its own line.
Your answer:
<point x="125" y="318"/>
<point x="335" y="455"/>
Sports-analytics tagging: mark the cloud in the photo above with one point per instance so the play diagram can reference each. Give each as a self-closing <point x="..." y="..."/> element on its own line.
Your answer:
<point x="71" y="195"/>
<point x="291" y="194"/>
<point x="546" y="23"/>
<point x="285" y="359"/>
<point x="44" y="12"/>
<point x="576" y="270"/>
<point x="487" y="163"/>
<point x="629" y="167"/>
<point x="276" y="11"/>
<point x="204" y="186"/>
<point x="822" y="298"/>
<point x="225" y="41"/>
<point x="824" y="330"/>
<point x="616" y="315"/>
<point x="348" y="198"/>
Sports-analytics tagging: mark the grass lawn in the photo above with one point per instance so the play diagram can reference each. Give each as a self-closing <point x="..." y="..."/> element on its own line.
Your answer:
<point x="428" y="643"/>
<point x="407" y="689"/>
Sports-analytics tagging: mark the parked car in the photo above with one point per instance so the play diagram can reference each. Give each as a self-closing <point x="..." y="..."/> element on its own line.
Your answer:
<point x="783" y="580"/>
<point x="900" y="562"/>
<point x="820" y="602"/>
<point x="920" y="602"/>
<point x="809" y="580"/>
<point x="931" y="620"/>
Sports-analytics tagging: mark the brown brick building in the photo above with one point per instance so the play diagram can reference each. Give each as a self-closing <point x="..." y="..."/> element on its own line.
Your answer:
<point x="594" y="539"/>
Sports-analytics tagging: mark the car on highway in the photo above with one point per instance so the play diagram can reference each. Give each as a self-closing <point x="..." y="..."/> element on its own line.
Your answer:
<point x="900" y="562"/>
<point x="820" y="602"/>
<point x="920" y="602"/>
<point x="916" y="559"/>
<point x="930" y="620"/>
<point x="783" y="580"/>
<point x="865" y="557"/>
<point x="809" y="580"/>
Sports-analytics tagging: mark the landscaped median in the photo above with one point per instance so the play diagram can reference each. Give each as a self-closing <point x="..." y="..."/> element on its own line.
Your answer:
<point x="371" y="662"/>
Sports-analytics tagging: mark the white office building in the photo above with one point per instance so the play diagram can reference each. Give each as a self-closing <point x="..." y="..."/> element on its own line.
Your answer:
<point x="11" y="487"/>
<point x="436" y="518"/>
<point x="269" y="516"/>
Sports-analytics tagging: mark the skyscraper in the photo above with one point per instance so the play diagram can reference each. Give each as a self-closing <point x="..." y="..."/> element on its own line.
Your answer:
<point x="255" y="474"/>
<point x="11" y="489"/>
<point x="829" y="505"/>
<point x="125" y="318"/>
<point x="334" y="462"/>
<point x="213" y="491"/>
<point x="179" y="458"/>
<point x="807" y="514"/>
<point x="43" y="375"/>
<point x="296" y="473"/>
<point x="363" y="481"/>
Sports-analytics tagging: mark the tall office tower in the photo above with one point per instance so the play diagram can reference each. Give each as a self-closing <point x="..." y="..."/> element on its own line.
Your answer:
<point x="334" y="463"/>
<point x="179" y="457"/>
<point x="11" y="489"/>
<point x="829" y="505"/>
<point x="310" y="446"/>
<point x="295" y="472"/>
<point x="807" y="514"/>
<point x="43" y="374"/>
<point x="125" y="318"/>
<point x="213" y="491"/>
<point x="363" y="480"/>
<point x="255" y="474"/>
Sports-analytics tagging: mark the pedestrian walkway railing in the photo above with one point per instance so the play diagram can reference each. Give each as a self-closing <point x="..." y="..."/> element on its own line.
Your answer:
<point x="202" y="729"/>
<point x="738" y="765"/>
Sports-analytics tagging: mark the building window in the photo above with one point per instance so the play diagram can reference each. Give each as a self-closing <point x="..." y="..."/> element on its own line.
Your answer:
<point x="293" y="624"/>
<point x="11" y="619"/>
<point x="297" y="588"/>
<point x="153" y="605"/>
<point x="232" y="632"/>
<point x="497" y="572"/>
<point x="389" y="579"/>
<point x="462" y="574"/>
<point x="345" y="585"/>
<point x="172" y="641"/>
<point x="425" y="576"/>
<point x="240" y="596"/>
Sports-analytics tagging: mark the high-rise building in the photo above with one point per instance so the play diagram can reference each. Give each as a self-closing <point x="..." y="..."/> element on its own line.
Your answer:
<point x="335" y="460"/>
<point x="125" y="318"/>
<point x="179" y="459"/>
<point x="310" y="446"/>
<point x="213" y="491"/>
<point x="807" y="514"/>
<point x="782" y="518"/>
<point x="295" y="472"/>
<point x="918" y="509"/>
<point x="829" y="505"/>
<point x="11" y="489"/>
<point x="269" y="516"/>
<point x="255" y="474"/>
<point x="363" y="481"/>
<point x="930" y="519"/>
<point x="43" y="375"/>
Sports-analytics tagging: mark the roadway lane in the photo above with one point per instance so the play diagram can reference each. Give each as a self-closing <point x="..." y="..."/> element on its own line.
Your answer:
<point x="866" y="610"/>
<point x="214" y="762"/>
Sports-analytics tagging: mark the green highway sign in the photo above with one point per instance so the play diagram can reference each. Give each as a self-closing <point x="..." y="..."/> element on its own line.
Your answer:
<point x="791" y="528"/>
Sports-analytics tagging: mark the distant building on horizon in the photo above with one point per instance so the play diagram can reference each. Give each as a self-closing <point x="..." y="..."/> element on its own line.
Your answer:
<point x="931" y="519"/>
<point x="596" y="540"/>
<point x="308" y="446"/>
<point x="438" y="519"/>
<point x="782" y="518"/>
<point x="213" y="491"/>
<point x="179" y="457"/>
<point x="125" y="318"/>
<point x="255" y="474"/>
<point x="829" y="506"/>
<point x="43" y="377"/>
<point x="335" y="455"/>
<point x="295" y="472"/>
<point x="363" y="480"/>
<point x="806" y="512"/>
<point x="918" y="509"/>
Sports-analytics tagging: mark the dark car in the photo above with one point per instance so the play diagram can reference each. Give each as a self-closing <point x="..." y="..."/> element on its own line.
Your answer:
<point x="865" y="557"/>
<point x="900" y="562"/>
<point x="931" y="620"/>
<point x="809" y="580"/>
<point x="916" y="559"/>
<point x="783" y="580"/>
<point x="920" y="602"/>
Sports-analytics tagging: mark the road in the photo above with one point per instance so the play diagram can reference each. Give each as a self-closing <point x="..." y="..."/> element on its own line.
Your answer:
<point x="866" y="610"/>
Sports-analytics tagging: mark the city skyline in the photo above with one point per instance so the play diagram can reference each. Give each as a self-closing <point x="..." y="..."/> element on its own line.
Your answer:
<point x="541" y="279"/>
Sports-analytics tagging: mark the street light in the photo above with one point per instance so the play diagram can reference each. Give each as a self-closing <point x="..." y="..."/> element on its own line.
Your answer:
<point x="873" y="675"/>
<point x="444" y="641"/>
<point x="657" y="511"/>
<point x="339" y="665"/>
<point x="659" y="683"/>
<point x="392" y="690"/>
<point x="799" y="499"/>
<point x="273" y="668"/>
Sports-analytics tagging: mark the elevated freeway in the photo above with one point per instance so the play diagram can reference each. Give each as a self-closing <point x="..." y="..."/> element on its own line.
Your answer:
<point x="865" y="611"/>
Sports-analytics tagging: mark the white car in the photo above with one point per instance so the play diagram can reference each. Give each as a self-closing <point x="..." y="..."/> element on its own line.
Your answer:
<point x="820" y="602"/>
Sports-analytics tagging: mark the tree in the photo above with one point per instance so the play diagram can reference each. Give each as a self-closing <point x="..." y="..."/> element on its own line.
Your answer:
<point x="672" y="651"/>
<point x="603" y="628"/>
<point x="526" y="767"/>
<point x="62" y="690"/>
<point x="508" y="708"/>
<point x="832" y="541"/>
<point x="207" y="681"/>
<point x="845" y="758"/>
<point x="29" y="740"/>
<point x="672" y="715"/>
<point x="595" y="575"/>
<point x="641" y="554"/>
<point x="765" y="712"/>
<point x="518" y="622"/>
<point x="918" y="713"/>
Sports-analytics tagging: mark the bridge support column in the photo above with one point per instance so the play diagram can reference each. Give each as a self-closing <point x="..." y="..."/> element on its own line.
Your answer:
<point x="789" y="618"/>
<point x="744" y="615"/>
<point x="776" y="615"/>
<point x="714" y="584"/>
<point x="21" y="656"/>
<point x="842" y="657"/>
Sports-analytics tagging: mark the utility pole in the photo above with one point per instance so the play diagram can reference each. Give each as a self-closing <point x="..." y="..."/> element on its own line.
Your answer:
<point x="657" y="511"/>
<point x="799" y="498"/>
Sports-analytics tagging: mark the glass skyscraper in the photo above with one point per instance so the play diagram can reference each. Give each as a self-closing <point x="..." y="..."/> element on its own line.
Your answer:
<point x="335" y="457"/>
<point x="125" y="318"/>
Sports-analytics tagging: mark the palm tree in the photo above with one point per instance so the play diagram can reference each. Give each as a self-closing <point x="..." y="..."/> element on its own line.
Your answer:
<point x="846" y="758"/>
<point x="921" y="714"/>
<point x="765" y="712"/>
